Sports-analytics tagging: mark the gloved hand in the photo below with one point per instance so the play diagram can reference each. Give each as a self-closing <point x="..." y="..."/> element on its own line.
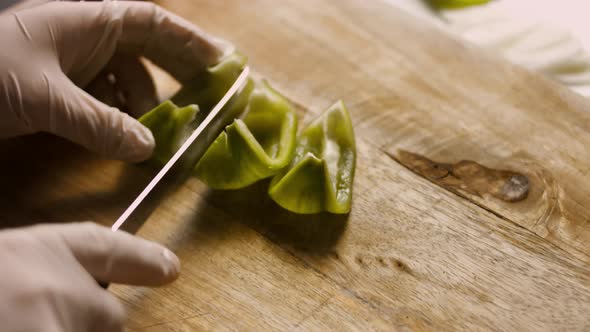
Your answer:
<point x="49" y="272"/>
<point x="55" y="50"/>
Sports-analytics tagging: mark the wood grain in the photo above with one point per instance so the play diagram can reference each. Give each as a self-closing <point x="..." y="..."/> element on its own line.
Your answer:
<point x="410" y="87"/>
<point x="412" y="255"/>
<point x="435" y="96"/>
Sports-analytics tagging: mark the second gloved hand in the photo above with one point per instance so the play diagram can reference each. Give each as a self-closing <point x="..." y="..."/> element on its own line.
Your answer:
<point x="50" y="272"/>
<point x="55" y="50"/>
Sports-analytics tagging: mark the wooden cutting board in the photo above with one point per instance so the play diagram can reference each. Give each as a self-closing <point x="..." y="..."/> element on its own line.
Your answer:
<point x="432" y="243"/>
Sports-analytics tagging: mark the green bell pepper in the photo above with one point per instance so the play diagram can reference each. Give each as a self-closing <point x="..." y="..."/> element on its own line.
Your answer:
<point x="320" y="176"/>
<point x="208" y="88"/>
<point x="170" y="126"/>
<point x="312" y="172"/>
<point x="451" y="4"/>
<point x="252" y="148"/>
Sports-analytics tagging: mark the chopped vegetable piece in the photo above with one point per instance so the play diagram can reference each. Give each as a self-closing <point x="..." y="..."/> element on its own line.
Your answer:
<point x="320" y="176"/>
<point x="170" y="126"/>
<point x="207" y="89"/>
<point x="450" y="4"/>
<point x="313" y="172"/>
<point x="255" y="147"/>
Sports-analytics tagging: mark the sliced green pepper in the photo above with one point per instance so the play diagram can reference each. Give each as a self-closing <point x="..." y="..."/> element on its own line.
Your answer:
<point x="450" y="4"/>
<point x="255" y="147"/>
<point x="207" y="89"/>
<point x="320" y="176"/>
<point x="313" y="172"/>
<point x="170" y="126"/>
<point x="250" y="149"/>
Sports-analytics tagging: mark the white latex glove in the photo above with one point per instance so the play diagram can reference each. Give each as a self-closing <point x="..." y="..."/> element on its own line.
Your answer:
<point x="54" y="50"/>
<point x="49" y="272"/>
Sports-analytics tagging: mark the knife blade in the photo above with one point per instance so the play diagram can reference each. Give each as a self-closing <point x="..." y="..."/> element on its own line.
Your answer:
<point x="207" y="131"/>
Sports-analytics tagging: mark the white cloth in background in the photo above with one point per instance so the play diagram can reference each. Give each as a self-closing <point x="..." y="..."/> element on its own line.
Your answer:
<point x="548" y="36"/>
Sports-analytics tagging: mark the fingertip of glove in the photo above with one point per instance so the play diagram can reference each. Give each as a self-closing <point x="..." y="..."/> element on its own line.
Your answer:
<point x="165" y="268"/>
<point x="224" y="47"/>
<point x="146" y="142"/>
<point x="137" y="144"/>
<point x="171" y="266"/>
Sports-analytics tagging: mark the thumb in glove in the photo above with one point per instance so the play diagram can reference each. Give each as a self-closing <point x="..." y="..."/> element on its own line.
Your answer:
<point x="60" y="47"/>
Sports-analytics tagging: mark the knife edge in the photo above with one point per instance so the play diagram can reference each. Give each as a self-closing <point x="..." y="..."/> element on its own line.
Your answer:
<point x="206" y="127"/>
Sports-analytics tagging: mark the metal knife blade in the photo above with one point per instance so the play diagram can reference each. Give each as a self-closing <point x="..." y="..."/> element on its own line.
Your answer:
<point x="208" y="130"/>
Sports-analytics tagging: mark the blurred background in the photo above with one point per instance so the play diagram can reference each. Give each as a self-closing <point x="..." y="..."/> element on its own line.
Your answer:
<point x="6" y="3"/>
<point x="548" y="36"/>
<point x="551" y="37"/>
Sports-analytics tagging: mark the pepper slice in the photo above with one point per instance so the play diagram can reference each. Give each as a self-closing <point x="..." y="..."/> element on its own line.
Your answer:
<point x="313" y="172"/>
<point x="170" y="126"/>
<point x="455" y="4"/>
<point x="321" y="174"/>
<point x="207" y="89"/>
<point x="255" y="147"/>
